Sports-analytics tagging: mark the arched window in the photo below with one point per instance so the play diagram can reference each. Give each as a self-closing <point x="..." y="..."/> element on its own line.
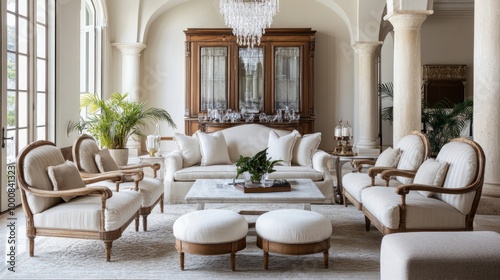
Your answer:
<point x="91" y="23"/>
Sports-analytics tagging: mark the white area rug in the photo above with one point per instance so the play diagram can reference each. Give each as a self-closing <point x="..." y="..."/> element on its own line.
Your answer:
<point x="354" y="253"/>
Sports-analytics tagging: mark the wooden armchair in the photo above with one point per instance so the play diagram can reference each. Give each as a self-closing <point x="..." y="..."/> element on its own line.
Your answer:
<point x="406" y="157"/>
<point x="444" y="196"/>
<point x="92" y="161"/>
<point x="57" y="202"/>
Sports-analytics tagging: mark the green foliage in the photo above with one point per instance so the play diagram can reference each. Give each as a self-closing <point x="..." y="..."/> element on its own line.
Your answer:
<point x="442" y="122"/>
<point x="257" y="165"/>
<point x="113" y="121"/>
<point x="387" y="92"/>
<point x="445" y="121"/>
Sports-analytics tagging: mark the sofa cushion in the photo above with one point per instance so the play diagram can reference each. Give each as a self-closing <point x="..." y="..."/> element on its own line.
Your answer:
<point x="421" y="211"/>
<point x="213" y="148"/>
<point x="354" y="183"/>
<point x="304" y="148"/>
<point x="105" y="162"/>
<point x="84" y="213"/>
<point x="65" y="177"/>
<point x="189" y="148"/>
<point x="388" y="158"/>
<point x="35" y="167"/>
<point x="281" y="147"/>
<point x="432" y="173"/>
<point x="412" y="155"/>
<point x="229" y="172"/>
<point x="462" y="171"/>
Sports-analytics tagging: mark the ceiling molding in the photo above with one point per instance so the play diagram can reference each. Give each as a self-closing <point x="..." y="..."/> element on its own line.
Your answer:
<point x="454" y="7"/>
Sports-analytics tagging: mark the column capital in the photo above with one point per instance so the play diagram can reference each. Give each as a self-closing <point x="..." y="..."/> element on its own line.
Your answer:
<point x="408" y="19"/>
<point x="367" y="47"/>
<point x="130" y="48"/>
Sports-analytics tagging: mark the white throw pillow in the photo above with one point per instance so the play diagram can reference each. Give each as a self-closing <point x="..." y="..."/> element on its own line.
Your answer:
<point x="190" y="149"/>
<point x="213" y="148"/>
<point x="388" y="158"/>
<point x="65" y="176"/>
<point x="105" y="162"/>
<point x="304" y="149"/>
<point x="432" y="173"/>
<point x="281" y="148"/>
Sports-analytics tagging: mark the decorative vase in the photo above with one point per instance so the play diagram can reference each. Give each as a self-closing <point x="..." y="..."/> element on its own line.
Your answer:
<point x="120" y="156"/>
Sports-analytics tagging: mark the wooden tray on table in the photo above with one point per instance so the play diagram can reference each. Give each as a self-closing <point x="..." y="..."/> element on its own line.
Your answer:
<point x="279" y="185"/>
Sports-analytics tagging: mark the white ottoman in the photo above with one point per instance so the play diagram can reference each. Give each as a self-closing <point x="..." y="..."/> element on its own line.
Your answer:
<point x="293" y="232"/>
<point x="210" y="232"/>
<point x="440" y="255"/>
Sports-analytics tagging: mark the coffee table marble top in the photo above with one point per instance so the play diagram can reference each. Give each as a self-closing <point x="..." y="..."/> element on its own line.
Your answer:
<point x="221" y="191"/>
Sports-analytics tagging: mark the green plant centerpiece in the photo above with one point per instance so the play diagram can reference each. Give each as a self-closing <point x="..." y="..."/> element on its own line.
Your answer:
<point x="257" y="166"/>
<point x="113" y="121"/>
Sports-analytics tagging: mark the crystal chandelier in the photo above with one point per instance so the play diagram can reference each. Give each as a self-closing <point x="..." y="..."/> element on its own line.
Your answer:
<point x="248" y="18"/>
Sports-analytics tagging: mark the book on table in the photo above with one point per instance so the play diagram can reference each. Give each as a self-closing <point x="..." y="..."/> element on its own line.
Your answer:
<point x="278" y="185"/>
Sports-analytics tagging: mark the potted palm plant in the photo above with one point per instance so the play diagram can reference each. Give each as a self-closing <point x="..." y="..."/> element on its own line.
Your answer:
<point x="113" y="121"/>
<point x="442" y="121"/>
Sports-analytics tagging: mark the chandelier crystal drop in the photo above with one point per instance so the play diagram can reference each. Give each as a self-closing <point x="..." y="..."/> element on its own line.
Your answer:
<point x="248" y="18"/>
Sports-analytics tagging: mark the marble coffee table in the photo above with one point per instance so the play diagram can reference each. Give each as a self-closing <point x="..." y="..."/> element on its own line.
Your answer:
<point x="221" y="191"/>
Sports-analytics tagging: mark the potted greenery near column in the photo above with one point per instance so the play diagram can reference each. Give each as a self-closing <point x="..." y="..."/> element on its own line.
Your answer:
<point x="111" y="122"/>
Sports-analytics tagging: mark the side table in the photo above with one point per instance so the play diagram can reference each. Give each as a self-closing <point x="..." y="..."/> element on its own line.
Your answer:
<point x="339" y="162"/>
<point x="155" y="159"/>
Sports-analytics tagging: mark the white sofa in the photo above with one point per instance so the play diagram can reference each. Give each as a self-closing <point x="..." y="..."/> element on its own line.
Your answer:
<point x="184" y="165"/>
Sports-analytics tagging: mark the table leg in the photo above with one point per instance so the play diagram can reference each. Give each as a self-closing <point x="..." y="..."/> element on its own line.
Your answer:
<point x="200" y="206"/>
<point x="339" y="198"/>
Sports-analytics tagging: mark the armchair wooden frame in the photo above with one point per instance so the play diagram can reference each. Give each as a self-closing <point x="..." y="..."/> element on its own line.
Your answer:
<point x="105" y="193"/>
<point x="475" y="186"/>
<point x="129" y="171"/>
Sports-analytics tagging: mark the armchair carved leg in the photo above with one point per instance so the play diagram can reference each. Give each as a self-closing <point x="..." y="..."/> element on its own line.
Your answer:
<point x="325" y="258"/>
<point x="161" y="202"/>
<point x="137" y="222"/>
<point x="266" y="260"/>
<point x="32" y="245"/>
<point x="145" y="222"/>
<point x="367" y="223"/>
<point x="108" y="245"/>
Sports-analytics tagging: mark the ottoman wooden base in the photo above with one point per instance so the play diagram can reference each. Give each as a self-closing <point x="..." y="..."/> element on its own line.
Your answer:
<point x="293" y="249"/>
<point x="210" y="249"/>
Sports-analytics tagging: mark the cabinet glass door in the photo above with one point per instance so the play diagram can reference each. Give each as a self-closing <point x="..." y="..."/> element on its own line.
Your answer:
<point x="287" y="78"/>
<point x="213" y="83"/>
<point x="251" y="79"/>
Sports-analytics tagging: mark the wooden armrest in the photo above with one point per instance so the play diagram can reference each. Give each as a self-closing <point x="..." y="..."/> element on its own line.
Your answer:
<point x="89" y="178"/>
<point x="155" y="166"/>
<point x="386" y="175"/>
<point x="406" y="188"/>
<point x="358" y="163"/>
<point x="374" y="171"/>
<point x="102" y="191"/>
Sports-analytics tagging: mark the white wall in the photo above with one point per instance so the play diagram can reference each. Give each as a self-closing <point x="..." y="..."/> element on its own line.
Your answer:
<point x="449" y="40"/>
<point x="163" y="60"/>
<point x="67" y="69"/>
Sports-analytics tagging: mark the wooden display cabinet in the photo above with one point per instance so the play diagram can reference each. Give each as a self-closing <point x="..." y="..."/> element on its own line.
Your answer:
<point x="277" y="74"/>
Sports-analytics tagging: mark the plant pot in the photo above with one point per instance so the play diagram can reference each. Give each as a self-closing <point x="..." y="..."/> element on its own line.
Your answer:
<point x="120" y="156"/>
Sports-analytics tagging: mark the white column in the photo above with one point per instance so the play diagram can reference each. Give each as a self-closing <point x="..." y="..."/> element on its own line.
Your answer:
<point x="368" y="53"/>
<point x="487" y="98"/>
<point x="407" y="71"/>
<point x="131" y="63"/>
